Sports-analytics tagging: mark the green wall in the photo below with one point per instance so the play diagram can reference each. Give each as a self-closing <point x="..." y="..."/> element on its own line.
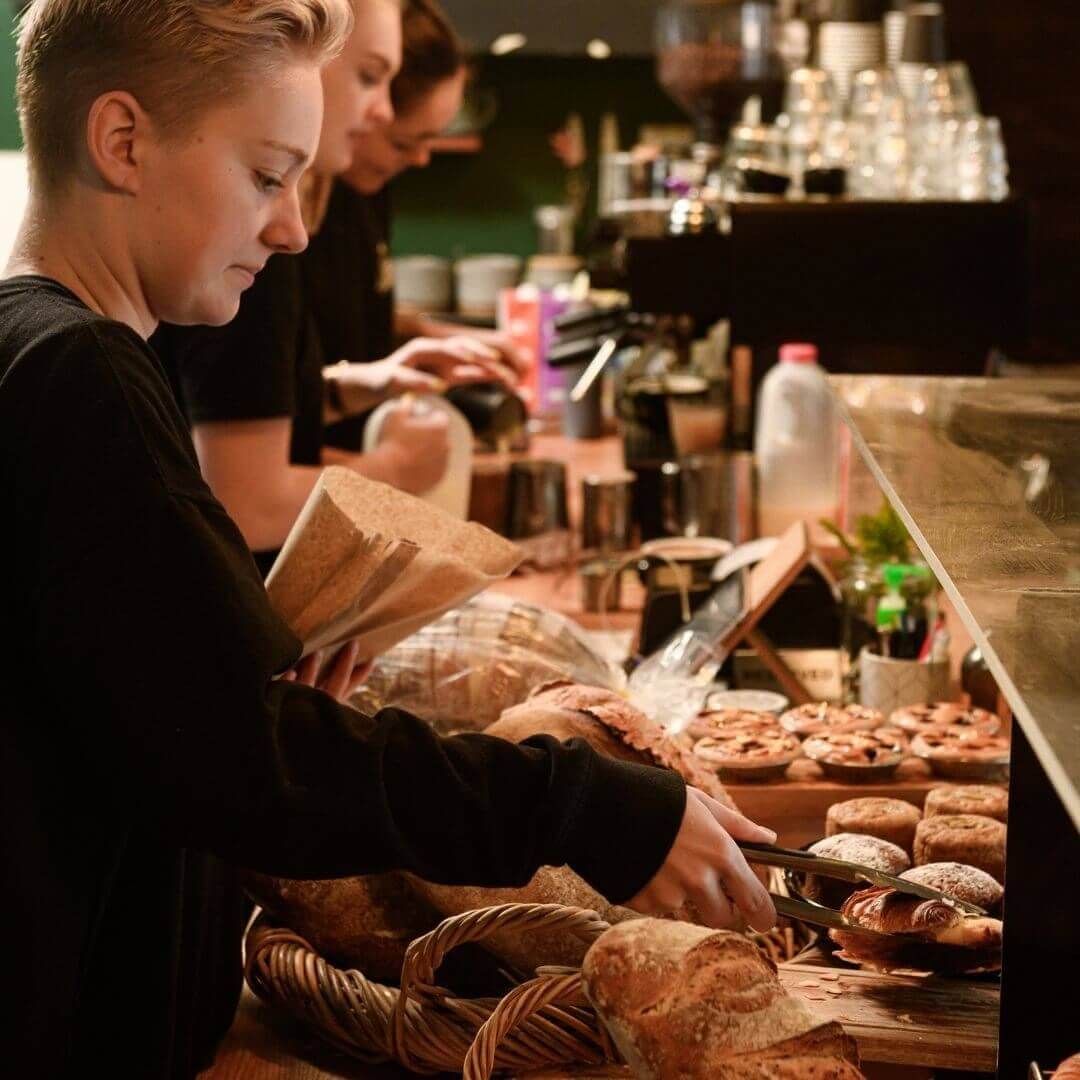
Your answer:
<point x="470" y="203"/>
<point x="9" y="123"/>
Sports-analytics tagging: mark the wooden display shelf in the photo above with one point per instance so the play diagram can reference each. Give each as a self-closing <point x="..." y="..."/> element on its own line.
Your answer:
<point x="906" y="1020"/>
<point x="796" y="806"/>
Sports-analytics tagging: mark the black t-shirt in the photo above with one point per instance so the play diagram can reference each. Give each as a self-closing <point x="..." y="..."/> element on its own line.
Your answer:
<point x="266" y="363"/>
<point x="146" y="747"/>
<point x="349" y="279"/>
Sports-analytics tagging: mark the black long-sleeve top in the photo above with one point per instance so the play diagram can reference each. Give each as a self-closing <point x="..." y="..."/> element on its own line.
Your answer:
<point x="147" y="750"/>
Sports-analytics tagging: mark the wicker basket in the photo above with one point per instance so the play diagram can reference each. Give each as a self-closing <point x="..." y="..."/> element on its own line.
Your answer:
<point x="426" y="1028"/>
<point x="423" y="1026"/>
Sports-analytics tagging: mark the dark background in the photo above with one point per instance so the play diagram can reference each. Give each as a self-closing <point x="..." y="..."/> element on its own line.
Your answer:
<point x="1024" y="56"/>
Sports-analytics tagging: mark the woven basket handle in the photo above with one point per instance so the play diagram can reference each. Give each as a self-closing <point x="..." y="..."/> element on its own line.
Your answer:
<point x="426" y="954"/>
<point x="521" y="1003"/>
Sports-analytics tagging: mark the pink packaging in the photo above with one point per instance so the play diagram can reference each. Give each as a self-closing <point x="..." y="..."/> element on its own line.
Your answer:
<point x="527" y="314"/>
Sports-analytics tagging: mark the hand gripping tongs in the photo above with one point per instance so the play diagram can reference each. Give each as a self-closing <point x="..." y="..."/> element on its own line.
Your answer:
<point x="817" y="914"/>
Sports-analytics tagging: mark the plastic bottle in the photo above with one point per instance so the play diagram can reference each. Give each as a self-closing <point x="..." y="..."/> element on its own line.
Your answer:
<point x="796" y="444"/>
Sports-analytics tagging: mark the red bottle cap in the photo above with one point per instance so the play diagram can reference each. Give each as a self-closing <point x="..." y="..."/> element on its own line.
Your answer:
<point x="798" y="354"/>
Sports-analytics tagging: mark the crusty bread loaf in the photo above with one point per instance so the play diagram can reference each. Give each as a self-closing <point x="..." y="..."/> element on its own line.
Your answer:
<point x="527" y="951"/>
<point x="1068" y="1069"/>
<point x="363" y="922"/>
<point x="608" y="723"/>
<point x="685" y="1001"/>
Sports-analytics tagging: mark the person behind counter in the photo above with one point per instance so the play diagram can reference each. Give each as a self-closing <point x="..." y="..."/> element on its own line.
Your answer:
<point x="148" y="746"/>
<point x="348" y="260"/>
<point x="259" y="391"/>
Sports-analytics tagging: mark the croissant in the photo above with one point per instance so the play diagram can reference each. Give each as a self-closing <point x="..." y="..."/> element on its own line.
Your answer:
<point x="925" y="935"/>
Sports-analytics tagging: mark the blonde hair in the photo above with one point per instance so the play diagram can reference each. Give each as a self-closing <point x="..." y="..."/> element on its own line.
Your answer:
<point x="177" y="57"/>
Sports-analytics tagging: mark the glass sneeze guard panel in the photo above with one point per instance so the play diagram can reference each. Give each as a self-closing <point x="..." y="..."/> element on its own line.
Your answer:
<point x="986" y="475"/>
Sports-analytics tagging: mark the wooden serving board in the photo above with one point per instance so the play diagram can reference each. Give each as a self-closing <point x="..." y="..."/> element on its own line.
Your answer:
<point x="906" y="1020"/>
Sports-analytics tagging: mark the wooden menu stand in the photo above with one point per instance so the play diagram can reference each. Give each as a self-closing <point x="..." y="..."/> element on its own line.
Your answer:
<point x="762" y="587"/>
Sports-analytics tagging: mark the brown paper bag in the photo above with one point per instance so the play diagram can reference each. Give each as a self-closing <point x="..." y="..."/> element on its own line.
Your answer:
<point x="367" y="561"/>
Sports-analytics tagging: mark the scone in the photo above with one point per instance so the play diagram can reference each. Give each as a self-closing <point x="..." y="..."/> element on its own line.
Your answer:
<point x="869" y="851"/>
<point x="888" y="819"/>
<point x="854" y="756"/>
<point x="982" y="799"/>
<point x="748" y="755"/>
<point x="917" y="719"/>
<point x="966" y="883"/>
<point x="963" y="838"/>
<point x="807" y="720"/>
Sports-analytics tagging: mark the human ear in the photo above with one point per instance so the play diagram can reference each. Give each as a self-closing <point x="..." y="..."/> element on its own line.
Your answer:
<point x="117" y="128"/>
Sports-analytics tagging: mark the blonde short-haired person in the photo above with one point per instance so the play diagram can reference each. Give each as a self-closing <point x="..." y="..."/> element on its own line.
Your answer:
<point x="259" y="392"/>
<point x="147" y="745"/>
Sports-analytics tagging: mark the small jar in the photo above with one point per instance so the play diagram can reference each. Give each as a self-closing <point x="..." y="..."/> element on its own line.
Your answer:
<point x="860" y="588"/>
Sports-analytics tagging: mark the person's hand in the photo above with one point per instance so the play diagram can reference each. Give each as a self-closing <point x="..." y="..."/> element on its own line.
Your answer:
<point x="705" y="868"/>
<point x="340" y="678"/>
<point x="413" y="449"/>
<point x="423" y="366"/>
<point x="509" y="353"/>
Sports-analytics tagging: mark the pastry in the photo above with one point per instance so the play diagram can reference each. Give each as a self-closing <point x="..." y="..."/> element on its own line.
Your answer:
<point x="869" y="851"/>
<point x="963" y="753"/>
<point x="891" y="733"/>
<point x="888" y="819"/>
<point x="924" y="935"/>
<point x="746" y="755"/>
<point x="689" y="1002"/>
<point x="982" y="799"/>
<point x="963" y="838"/>
<point x="854" y="756"/>
<point x="611" y="725"/>
<point x="807" y="720"/>
<point x="725" y="721"/>
<point x="917" y="719"/>
<point x="362" y="922"/>
<point x="959" y="882"/>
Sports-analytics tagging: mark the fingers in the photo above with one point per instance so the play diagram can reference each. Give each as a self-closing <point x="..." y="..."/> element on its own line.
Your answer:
<point x="739" y="882"/>
<point x="735" y="824"/>
<point x="412" y="380"/>
<point x="308" y="668"/>
<point x="509" y="353"/>
<point x="711" y="904"/>
<point x="335" y="681"/>
<point x="359" y="676"/>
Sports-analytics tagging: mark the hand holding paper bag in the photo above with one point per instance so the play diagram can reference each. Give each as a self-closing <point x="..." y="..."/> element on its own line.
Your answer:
<point x="366" y="561"/>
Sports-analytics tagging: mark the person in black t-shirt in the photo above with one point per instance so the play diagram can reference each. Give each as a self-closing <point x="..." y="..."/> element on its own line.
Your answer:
<point x="148" y="743"/>
<point x="258" y="420"/>
<point x="347" y="264"/>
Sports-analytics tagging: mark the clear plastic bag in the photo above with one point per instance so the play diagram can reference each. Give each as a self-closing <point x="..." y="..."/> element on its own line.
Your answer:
<point x="460" y="672"/>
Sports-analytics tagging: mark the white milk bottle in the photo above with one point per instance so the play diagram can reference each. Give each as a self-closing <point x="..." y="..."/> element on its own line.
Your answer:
<point x="796" y="444"/>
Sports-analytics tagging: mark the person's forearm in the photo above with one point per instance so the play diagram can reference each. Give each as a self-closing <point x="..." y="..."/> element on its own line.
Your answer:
<point x="345" y="398"/>
<point x="265" y="510"/>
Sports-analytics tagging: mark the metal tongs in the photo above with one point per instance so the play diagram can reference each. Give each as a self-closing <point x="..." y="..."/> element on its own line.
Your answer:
<point x="817" y="914"/>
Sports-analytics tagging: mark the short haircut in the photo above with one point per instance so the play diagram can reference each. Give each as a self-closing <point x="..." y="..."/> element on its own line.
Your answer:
<point x="431" y="53"/>
<point x="176" y="57"/>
